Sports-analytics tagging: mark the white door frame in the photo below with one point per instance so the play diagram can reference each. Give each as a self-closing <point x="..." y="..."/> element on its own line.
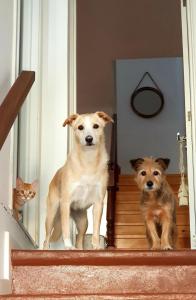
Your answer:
<point x="188" y="15"/>
<point x="47" y="65"/>
<point x="72" y="67"/>
<point x="53" y="58"/>
<point x="11" y="234"/>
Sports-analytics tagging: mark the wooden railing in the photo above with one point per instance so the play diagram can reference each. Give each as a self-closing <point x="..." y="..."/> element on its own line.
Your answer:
<point x="12" y="103"/>
<point x="112" y="185"/>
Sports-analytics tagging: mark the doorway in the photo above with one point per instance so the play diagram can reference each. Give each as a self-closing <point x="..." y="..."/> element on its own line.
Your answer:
<point x="96" y="82"/>
<point x="111" y="38"/>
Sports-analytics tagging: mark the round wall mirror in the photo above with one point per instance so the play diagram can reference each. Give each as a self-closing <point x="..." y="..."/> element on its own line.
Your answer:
<point x="147" y="102"/>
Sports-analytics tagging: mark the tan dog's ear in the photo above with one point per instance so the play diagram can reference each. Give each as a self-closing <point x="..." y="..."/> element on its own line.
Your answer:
<point x="69" y="120"/>
<point x="163" y="162"/>
<point x="135" y="163"/>
<point x="104" y="116"/>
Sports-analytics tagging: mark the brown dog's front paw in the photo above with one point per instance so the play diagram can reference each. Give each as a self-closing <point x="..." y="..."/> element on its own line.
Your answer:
<point x="156" y="246"/>
<point x="166" y="247"/>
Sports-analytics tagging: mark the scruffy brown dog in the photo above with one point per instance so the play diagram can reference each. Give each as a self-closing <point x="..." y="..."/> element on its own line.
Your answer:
<point x="157" y="202"/>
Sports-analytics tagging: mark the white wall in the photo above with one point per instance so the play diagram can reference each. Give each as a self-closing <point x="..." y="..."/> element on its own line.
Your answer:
<point x="44" y="50"/>
<point x="11" y="235"/>
<point x="6" y="50"/>
<point x="139" y="137"/>
<point x="54" y="98"/>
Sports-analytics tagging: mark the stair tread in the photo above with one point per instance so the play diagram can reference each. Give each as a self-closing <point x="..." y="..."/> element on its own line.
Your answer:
<point x="129" y="179"/>
<point x="138" y="236"/>
<point x="102" y="272"/>
<point x="135" y="212"/>
<point x="101" y="257"/>
<point x="124" y="296"/>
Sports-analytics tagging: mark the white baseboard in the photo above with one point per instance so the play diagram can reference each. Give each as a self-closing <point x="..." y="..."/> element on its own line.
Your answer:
<point x="5" y="286"/>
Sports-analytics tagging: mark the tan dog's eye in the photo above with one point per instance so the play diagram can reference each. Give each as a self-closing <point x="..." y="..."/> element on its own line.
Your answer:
<point x="155" y="173"/>
<point x="143" y="173"/>
<point x="80" y="127"/>
<point x="95" y="126"/>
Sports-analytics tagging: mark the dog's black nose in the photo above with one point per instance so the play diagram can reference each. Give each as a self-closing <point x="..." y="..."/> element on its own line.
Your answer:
<point x="149" y="183"/>
<point x="89" y="139"/>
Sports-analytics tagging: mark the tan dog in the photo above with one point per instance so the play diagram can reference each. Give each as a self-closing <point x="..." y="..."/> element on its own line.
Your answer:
<point x="80" y="183"/>
<point x="157" y="202"/>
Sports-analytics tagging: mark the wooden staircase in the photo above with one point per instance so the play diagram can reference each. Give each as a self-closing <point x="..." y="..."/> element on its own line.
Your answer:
<point x="129" y="225"/>
<point x="109" y="275"/>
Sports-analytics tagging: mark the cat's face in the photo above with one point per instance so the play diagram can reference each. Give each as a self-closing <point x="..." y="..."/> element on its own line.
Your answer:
<point x="26" y="191"/>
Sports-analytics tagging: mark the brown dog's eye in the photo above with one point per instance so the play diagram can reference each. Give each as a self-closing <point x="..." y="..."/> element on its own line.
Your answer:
<point x="143" y="173"/>
<point x="95" y="126"/>
<point x="80" y="127"/>
<point x="155" y="173"/>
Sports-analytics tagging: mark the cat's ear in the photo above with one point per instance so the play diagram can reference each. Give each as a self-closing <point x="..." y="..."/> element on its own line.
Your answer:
<point x="19" y="182"/>
<point x="35" y="185"/>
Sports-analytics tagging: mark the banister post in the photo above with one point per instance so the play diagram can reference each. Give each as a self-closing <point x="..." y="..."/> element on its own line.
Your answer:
<point x="113" y="170"/>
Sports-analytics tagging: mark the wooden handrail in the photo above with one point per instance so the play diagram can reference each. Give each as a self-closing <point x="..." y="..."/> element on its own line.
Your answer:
<point x="114" y="170"/>
<point x="12" y="103"/>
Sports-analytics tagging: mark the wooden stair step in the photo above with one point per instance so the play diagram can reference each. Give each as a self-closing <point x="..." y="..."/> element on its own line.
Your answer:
<point x="141" y="243"/>
<point x="170" y="296"/>
<point x="142" y="236"/>
<point x="122" y="230"/>
<point x="132" y="188"/>
<point x="136" y="207"/>
<point x="125" y="219"/>
<point x="133" y="194"/>
<point x="103" y="274"/>
<point x="133" y="198"/>
<point x="173" y="179"/>
<point x="138" y="213"/>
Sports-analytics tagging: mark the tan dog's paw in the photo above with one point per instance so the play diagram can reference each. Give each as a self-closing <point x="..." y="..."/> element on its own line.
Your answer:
<point x="46" y="245"/>
<point x="70" y="248"/>
<point x="96" y="247"/>
<point x="68" y="244"/>
<point x="79" y="248"/>
<point x="96" y="243"/>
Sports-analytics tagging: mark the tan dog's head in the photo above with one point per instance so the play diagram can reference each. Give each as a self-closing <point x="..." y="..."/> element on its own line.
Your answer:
<point x="88" y="128"/>
<point x="150" y="172"/>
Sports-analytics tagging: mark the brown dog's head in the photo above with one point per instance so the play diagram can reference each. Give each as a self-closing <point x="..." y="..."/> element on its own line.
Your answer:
<point x="150" y="172"/>
<point x="88" y="128"/>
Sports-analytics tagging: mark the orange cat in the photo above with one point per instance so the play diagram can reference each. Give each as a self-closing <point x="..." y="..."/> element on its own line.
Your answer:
<point x="22" y="194"/>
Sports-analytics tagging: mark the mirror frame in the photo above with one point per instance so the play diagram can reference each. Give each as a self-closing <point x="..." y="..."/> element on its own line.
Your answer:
<point x="147" y="88"/>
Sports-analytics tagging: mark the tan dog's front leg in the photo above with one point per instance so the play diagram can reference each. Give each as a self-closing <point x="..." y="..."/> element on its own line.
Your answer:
<point x="97" y="214"/>
<point x="65" y="217"/>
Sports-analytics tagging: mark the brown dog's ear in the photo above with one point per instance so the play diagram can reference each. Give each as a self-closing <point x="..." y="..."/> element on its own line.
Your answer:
<point x="163" y="162"/>
<point x="135" y="163"/>
<point x="104" y="116"/>
<point x="69" y="120"/>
